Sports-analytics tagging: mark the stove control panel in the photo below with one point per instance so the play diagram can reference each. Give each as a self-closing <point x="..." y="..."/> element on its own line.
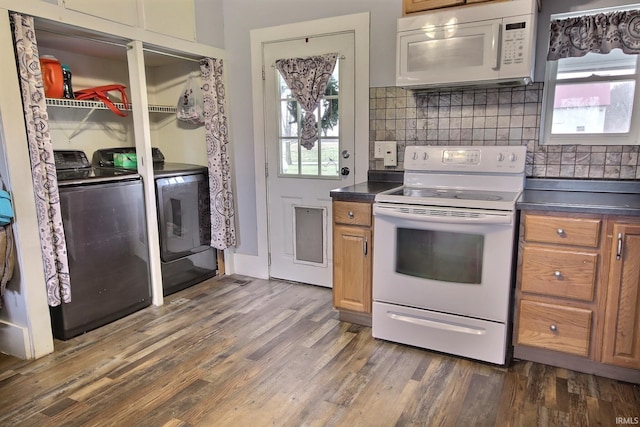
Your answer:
<point x="493" y="159"/>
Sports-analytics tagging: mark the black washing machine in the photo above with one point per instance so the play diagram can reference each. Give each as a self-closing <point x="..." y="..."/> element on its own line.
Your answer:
<point x="184" y="220"/>
<point x="105" y="228"/>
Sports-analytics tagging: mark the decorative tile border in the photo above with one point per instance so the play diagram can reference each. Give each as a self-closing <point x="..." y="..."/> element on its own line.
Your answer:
<point x="494" y="116"/>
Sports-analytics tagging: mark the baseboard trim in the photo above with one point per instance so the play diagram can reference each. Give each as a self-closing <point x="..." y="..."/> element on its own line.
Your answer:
<point x="576" y="363"/>
<point x="247" y="265"/>
<point x="357" y="318"/>
<point x="14" y="340"/>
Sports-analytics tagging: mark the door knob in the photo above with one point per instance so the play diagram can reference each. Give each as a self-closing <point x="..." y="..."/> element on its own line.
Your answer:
<point x="345" y="154"/>
<point x="345" y="171"/>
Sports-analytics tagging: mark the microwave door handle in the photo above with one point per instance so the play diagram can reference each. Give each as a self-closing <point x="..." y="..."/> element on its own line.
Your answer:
<point x="495" y="46"/>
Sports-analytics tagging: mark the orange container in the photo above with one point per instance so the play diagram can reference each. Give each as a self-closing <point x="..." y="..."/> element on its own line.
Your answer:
<point x="52" y="77"/>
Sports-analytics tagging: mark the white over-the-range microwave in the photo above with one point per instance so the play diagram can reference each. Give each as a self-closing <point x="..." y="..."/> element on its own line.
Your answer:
<point x="484" y="44"/>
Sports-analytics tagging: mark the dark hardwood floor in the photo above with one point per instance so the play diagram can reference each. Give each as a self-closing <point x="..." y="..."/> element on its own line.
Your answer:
<point x="237" y="351"/>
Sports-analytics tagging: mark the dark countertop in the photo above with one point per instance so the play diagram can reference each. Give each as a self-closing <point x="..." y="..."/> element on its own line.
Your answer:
<point x="377" y="182"/>
<point x="602" y="197"/>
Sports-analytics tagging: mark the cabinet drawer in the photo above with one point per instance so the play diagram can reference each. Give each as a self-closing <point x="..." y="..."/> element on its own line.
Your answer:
<point x="560" y="230"/>
<point x="352" y="213"/>
<point x="554" y="327"/>
<point x="559" y="273"/>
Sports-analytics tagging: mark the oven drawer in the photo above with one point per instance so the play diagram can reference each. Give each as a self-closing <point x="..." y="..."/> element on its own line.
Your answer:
<point x="352" y="213"/>
<point x="559" y="273"/>
<point x="554" y="327"/>
<point x="562" y="230"/>
<point x="462" y="336"/>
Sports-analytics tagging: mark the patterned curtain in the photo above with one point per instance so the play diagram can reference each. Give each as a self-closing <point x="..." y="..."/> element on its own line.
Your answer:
<point x="575" y="37"/>
<point x="43" y="169"/>
<point x="223" y="233"/>
<point x="307" y="78"/>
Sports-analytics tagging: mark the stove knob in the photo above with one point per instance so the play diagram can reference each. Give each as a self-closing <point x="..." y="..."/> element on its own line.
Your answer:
<point x="425" y="156"/>
<point x="415" y="156"/>
<point x="513" y="157"/>
<point x="500" y="157"/>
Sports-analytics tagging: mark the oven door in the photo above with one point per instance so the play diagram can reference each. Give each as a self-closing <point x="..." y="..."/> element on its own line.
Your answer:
<point x="456" y="261"/>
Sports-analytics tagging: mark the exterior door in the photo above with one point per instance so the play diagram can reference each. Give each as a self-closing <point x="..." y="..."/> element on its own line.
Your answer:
<point x="299" y="179"/>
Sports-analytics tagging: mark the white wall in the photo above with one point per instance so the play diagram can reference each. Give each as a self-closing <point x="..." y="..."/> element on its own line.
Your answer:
<point x="241" y="16"/>
<point x="209" y="22"/>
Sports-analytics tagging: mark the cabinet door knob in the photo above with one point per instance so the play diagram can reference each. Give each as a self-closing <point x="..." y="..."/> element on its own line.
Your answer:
<point x="350" y="214"/>
<point x="561" y="232"/>
<point x="553" y="328"/>
<point x="557" y="274"/>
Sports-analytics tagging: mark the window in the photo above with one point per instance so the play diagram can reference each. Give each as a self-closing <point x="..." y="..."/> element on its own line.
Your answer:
<point x="322" y="160"/>
<point x="592" y="99"/>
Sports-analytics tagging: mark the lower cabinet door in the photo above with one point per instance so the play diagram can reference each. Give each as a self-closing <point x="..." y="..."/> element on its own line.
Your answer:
<point x="621" y="345"/>
<point x="352" y="268"/>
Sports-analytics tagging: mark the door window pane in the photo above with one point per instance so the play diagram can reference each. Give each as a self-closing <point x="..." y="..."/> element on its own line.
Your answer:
<point x="440" y="255"/>
<point x="322" y="160"/>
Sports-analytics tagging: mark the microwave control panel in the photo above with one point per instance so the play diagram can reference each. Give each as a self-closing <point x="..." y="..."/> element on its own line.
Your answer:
<point x="517" y="41"/>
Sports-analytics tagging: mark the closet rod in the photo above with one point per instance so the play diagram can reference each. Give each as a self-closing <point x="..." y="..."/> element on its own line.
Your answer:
<point x="85" y="38"/>
<point x="173" y="55"/>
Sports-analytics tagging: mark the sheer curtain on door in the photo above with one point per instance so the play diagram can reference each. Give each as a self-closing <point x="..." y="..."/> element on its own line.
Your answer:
<point x="43" y="169"/>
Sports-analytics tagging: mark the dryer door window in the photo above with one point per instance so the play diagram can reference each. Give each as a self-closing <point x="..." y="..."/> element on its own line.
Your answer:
<point x="183" y="215"/>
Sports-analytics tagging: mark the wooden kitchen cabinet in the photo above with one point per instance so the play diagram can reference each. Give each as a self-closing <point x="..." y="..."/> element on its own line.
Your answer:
<point x="414" y="6"/>
<point x="352" y="260"/>
<point x="621" y="345"/>
<point x="558" y="276"/>
<point x="578" y="293"/>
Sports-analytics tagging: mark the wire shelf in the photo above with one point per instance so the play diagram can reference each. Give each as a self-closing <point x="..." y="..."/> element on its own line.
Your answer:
<point x="99" y="105"/>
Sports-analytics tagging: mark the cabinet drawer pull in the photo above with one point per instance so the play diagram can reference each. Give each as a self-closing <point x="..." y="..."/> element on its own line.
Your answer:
<point x="561" y="232"/>
<point x="350" y="214"/>
<point x="558" y="274"/>
<point x="553" y="328"/>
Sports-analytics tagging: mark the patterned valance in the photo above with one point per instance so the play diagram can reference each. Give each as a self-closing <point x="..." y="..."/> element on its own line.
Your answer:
<point x="600" y="33"/>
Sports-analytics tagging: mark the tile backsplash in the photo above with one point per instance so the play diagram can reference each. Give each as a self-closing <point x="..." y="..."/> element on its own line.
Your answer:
<point x="504" y="116"/>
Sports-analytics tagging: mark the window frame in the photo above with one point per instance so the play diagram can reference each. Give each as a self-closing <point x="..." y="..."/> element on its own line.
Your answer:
<point x="548" y="98"/>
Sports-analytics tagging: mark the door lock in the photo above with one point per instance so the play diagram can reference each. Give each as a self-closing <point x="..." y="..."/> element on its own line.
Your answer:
<point x="344" y="171"/>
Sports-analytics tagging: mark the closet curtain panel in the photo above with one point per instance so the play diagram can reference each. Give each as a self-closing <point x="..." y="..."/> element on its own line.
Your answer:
<point x="223" y="233"/>
<point x="600" y="33"/>
<point x="43" y="169"/>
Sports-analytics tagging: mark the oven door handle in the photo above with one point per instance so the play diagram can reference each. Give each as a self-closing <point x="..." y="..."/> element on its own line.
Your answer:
<point x="438" y="324"/>
<point x="458" y="216"/>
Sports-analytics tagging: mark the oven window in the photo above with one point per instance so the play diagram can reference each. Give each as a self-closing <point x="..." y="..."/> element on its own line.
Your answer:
<point x="439" y="255"/>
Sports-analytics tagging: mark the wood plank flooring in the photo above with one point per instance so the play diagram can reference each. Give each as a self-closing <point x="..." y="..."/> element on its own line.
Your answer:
<point x="237" y="351"/>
